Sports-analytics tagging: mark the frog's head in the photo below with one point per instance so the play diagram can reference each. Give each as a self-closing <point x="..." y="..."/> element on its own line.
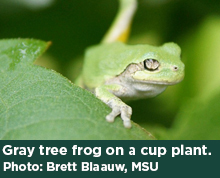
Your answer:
<point x="161" y="65"/>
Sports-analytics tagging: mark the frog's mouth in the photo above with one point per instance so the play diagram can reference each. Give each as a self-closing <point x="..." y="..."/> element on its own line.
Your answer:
<point x="160" y="82"/>
<point x="150" y="79"/>
<point x="155" y="82"/>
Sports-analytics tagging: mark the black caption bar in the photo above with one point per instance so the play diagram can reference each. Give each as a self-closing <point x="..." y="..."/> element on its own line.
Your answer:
<point x="102" y="158"/>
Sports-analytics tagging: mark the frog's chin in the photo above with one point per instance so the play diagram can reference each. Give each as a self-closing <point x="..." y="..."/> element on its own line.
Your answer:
<point x="145" y="90"/>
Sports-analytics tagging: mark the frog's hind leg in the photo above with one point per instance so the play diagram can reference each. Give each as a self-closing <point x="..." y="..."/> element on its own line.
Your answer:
<point x="120" y="28"/>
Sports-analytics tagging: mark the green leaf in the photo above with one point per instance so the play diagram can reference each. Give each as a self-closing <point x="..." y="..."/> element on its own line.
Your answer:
<point x="197" y="120"/>
<point x="37" y="103"/>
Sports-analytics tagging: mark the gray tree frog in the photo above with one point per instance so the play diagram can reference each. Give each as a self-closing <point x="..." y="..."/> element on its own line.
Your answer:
<point x="115" y="71"/>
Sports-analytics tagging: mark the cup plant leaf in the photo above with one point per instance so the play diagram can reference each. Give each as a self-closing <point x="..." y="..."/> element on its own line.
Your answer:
<point x="39" y="103"/>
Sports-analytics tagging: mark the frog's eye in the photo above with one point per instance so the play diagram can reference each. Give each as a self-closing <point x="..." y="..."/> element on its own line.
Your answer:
<point x="151" y="64"/>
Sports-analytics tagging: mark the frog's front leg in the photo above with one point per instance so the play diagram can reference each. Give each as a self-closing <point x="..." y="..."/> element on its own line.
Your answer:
<point x="117" y="105"/>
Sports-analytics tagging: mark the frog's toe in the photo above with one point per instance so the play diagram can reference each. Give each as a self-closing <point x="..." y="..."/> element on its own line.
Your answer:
<point x="126" y="112"/>
<point x="127" y="124"/>
<point x="111" y="117"/>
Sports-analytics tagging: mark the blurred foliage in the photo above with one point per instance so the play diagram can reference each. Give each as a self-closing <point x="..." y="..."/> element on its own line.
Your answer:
<point x="188" y="110"/>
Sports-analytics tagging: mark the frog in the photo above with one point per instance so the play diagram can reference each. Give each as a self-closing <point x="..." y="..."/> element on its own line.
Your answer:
<point x="117" y="72"/>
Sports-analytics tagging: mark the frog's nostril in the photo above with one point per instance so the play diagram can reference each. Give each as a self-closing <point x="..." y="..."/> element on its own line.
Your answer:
<point x="175" y="68"/>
